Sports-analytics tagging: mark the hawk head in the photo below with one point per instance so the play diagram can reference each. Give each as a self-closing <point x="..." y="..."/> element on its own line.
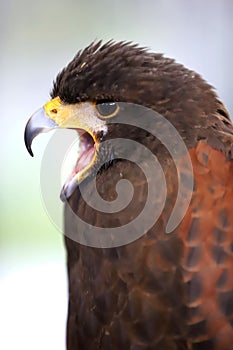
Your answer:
<point x="89" y="95"/>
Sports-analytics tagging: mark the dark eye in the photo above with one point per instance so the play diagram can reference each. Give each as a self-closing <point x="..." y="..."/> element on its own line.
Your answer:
<point x="106" y="109"/>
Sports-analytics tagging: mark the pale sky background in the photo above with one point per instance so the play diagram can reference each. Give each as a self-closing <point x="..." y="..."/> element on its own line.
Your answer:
<point x="37" y="40"/>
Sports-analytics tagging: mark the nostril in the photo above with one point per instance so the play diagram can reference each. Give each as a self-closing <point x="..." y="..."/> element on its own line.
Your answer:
<point x="54" y="111"/>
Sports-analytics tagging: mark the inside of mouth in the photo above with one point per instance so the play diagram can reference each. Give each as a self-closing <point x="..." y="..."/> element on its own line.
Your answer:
<point x="78" y="159"/>
<point x="86" y="152"/>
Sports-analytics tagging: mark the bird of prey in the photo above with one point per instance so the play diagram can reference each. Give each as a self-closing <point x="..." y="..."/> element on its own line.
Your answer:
<point x="160" y="291"/>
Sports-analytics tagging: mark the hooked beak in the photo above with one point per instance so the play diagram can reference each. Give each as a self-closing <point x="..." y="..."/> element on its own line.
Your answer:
<point x="82" y="117"/>
<point x="37" y="124"/>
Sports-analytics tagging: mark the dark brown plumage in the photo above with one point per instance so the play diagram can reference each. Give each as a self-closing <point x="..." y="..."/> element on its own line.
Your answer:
<point x="163" y="291"/>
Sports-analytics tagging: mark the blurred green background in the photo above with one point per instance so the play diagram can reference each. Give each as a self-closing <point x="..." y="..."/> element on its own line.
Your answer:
<point x="37" y="40"/>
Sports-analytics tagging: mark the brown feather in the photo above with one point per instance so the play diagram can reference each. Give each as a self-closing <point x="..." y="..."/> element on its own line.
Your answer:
<point x="163" y="291"/>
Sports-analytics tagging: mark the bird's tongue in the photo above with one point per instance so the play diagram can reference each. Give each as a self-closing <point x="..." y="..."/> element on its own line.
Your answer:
<point x="85" y="158"/>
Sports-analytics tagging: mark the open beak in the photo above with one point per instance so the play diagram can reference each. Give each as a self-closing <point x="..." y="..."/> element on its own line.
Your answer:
<point x="81" y="116"/>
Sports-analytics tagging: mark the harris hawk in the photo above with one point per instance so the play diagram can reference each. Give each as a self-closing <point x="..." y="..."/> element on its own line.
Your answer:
<point x="162" y="290"/>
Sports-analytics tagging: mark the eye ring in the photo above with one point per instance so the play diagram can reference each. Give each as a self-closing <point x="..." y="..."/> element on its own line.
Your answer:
<point x="107" y="109"/>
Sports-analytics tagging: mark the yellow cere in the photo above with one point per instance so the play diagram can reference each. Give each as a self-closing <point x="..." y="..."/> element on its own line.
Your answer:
<point x="82" y="115"/>
<point x="55" y="111"/>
